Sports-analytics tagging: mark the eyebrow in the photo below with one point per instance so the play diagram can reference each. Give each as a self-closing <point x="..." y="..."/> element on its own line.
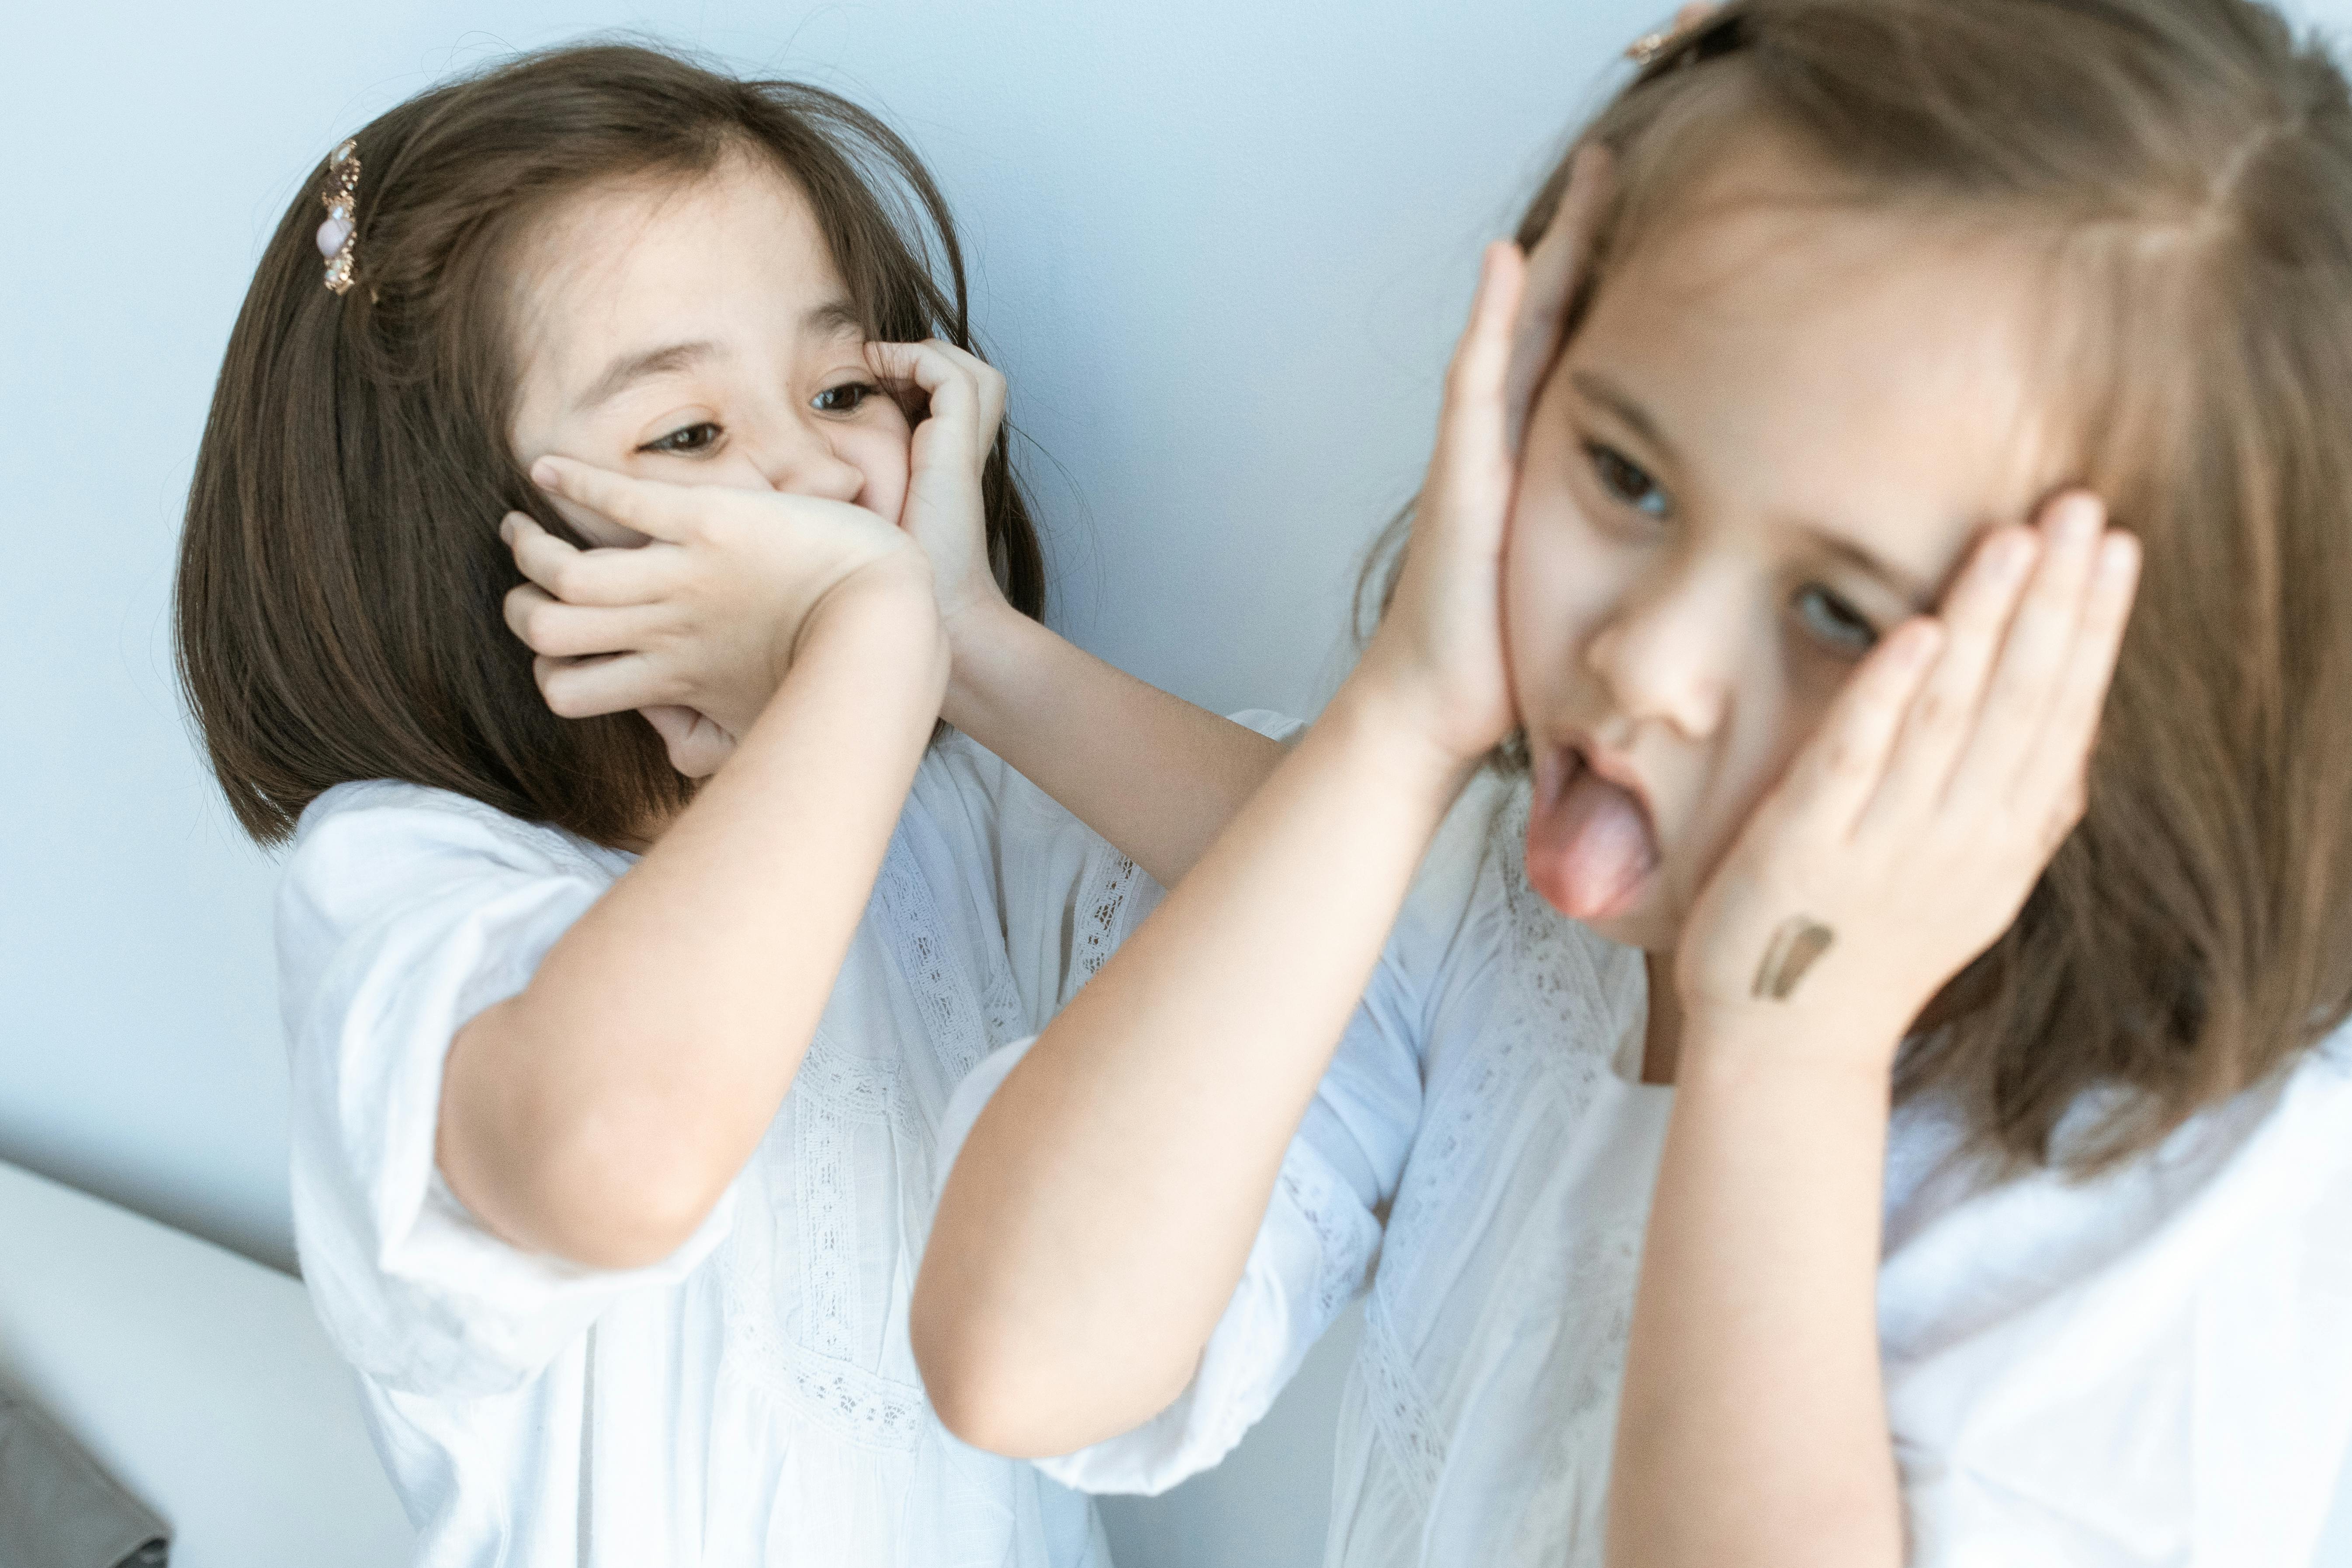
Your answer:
<point x="1600" y="389"/>
<point x="827" y="319"/>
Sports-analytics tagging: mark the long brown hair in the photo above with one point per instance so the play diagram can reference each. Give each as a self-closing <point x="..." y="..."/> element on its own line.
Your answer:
<point x="341" y="573"/>
<point x="2185" y="169"/>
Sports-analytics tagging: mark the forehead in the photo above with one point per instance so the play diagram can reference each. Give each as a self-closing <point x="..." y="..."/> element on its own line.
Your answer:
<point x="1814" y="362"/>
<point x="709" y="257"/>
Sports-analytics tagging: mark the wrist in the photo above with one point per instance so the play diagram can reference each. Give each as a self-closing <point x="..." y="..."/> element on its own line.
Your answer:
<point x="1382" y="727"/>
<point x="986" y="667"/>
<point x="1740" y="1040"/>
<point x="883" y="619"/>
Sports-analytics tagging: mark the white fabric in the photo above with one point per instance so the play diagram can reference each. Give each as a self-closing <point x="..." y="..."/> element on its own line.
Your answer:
<point x="2151" y="1369"/>
<point x="752" y="1399"/>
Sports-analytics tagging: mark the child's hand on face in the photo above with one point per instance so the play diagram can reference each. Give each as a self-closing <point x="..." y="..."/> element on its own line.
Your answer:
<point x="697" y="627"/>
<point x="1907" y="832"/>
<point x="944" y="510"/>
<point x="1439" y="649"/>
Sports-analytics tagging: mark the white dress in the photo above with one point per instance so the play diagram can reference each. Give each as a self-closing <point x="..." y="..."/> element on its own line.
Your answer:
<point x="2151" y="1369"/>
<point x="752" y="1400"/>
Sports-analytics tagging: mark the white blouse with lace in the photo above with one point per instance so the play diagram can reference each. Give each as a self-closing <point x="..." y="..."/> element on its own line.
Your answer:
<point x="2151" y="1368"/>
<point x="751" y="1400"/>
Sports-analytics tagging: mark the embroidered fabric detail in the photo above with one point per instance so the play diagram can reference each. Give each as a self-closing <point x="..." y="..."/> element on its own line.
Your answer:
<point x="1348" y="1237"/>
<point x="1551" y="1019"/>
<point x="1401" y="1416"/>
<point x="843" y="1398"/>
<point x="833" y="1092"/>
<point x="958" y="1025"/>
<point x="1094" y="931"/>
<point x="1598" y="1291"/>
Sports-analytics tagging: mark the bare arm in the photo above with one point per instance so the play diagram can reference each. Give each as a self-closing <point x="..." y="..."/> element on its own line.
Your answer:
<point x="1095" y="1224"/>
<point x="600" y="1114"/>
<point x="1150" y="772"/>
<point x="1101" y="1212"/>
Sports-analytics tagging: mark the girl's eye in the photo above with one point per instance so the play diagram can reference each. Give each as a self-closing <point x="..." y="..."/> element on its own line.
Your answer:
<point x="1832" y="622"/>
<point x="1626" y="481"/>
<point x="686" y="441"/>
<point x="845" y="398"/>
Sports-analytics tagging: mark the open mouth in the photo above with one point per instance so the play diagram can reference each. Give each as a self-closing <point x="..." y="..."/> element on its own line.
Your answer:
<point x="1591" y="846"/>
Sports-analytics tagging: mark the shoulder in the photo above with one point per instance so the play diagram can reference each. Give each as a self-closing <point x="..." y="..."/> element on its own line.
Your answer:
<point x="362" y="844"/>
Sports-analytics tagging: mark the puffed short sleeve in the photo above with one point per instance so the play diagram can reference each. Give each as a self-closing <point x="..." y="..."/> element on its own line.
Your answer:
<point x="404" y="912"/>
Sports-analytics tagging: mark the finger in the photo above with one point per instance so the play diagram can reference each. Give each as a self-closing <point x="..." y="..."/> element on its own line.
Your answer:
<point x="1553" y="267"/>
<point x="695" y="745"/>
<point x="2033" y="655"/>
<point x="577" y="576"/>
<point x="583" y="688"/>
<point x="649" y="507"/>
<point x="1975" y="614"/>
<point x="548" y="625"/>
<point x="1689" y="17"/>
<point x="2049" y="787"/>
<point x="1834" y="774"/>
<point x="1471" y="429"/>
<point x="965" y="390"/>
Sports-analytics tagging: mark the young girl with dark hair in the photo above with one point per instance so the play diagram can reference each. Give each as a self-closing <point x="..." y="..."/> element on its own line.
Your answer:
<point x="620" y="1042"/>
<point x="1874" y="1094"/>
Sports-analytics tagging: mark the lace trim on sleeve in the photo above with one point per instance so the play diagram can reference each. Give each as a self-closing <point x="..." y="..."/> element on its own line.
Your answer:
<point x="1346" y="1237"/>
<point x="1100" y="927"/>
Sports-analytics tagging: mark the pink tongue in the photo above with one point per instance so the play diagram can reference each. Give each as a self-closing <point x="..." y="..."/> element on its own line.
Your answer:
<point x="1589" y="845"/>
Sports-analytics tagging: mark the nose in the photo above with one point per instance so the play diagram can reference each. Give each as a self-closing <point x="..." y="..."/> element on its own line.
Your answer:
<point x="1671" y="651"/>
<point x="796" y="456"/>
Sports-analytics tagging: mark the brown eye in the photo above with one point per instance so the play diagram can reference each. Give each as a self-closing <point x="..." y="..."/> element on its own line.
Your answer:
<point x="1626" y="481"/>
<point x="686" y="441"/>
<point x="845" y="398"/>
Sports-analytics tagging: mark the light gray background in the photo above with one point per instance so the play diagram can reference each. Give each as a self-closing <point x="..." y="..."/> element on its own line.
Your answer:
<point x="1221" y="247"/>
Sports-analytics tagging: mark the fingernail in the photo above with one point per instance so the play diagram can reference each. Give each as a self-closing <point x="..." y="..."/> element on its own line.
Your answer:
<point x="2118" y="556"/>
<point x="506" y="528"/>
<point x="543" y="474"/>
<point x="2079" y="519"/>
<point x="2012" y="553"/>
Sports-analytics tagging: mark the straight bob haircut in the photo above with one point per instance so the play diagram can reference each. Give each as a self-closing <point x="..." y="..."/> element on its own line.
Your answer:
<point x="338" y="611"/>
<point x="2183" y="171"/>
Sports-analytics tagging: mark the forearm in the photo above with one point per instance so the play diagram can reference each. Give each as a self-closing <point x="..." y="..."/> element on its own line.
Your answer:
<point x="1753" y="1427"/>
<point x="1152" y="774"/>
<point x="1096" y="1222"/>
<point x="599" y="1114"/>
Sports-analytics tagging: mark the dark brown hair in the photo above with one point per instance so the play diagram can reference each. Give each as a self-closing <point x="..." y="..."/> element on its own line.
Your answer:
<point x="2184" y="169"/>
<point x="341" y="573"/>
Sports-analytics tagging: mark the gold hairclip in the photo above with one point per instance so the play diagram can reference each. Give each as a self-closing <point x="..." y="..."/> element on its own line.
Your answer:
<point x="1699" y="33"/>
<point x="341" y="198"/>
<point x="1650" y="46"/>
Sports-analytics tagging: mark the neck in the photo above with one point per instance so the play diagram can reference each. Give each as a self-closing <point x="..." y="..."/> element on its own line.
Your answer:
<point x="1662" y="1034"/>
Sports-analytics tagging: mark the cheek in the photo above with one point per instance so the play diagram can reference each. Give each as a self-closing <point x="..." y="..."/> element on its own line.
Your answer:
<point x="879" y="451"/>
<point x="1560" y="581"/>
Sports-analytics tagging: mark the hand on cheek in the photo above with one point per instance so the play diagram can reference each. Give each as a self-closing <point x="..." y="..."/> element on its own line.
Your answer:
<point x="697" y="627"/>
<point x="1908" y="830"/>
<point x="1437" y="662"/>
<point x="945" y="510"/>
